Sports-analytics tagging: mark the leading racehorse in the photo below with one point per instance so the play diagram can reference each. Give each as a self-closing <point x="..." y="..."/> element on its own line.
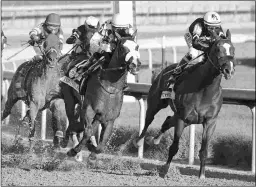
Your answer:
<point x="40" y="84"/>
<point x="198" y="98"/>
<point x="103" y="97"/>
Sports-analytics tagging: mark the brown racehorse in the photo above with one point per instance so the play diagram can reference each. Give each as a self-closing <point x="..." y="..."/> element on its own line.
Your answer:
<point x="40" y="85"/>
<point x="198" y="98"/>
<point x="103" y="97"/>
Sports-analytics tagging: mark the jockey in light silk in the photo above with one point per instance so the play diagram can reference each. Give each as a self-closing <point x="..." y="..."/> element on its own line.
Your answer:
<point x="52" y="25"/>
<point x="103" y="42"/>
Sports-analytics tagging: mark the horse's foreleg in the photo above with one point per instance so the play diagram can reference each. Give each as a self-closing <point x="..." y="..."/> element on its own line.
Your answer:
<point x="168" y="123"/>
<point x="33" y="113"/>
<point x="57" y="108"/>
<point x="154" y="105"/>
<point x="108" y="128"/>
<point x="208" y="129"/>
<point x="88" y="131"/>
<point x="70" y="112"/>
<point x="179" y="127"/>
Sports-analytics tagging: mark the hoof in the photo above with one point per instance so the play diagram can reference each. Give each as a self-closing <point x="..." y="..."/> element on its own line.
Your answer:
<point x="64" y="143"/>
<point x="164" y="170"/>
<point x="91" y="147"/>
<point x="202" y="177"/>
<point x="71" y="153"/>
<point x="25" y="123"/>
<point x="92" y="159"/>
<point x="92" y="156"/>
<point x="79" y="157"/>
<point x="135" y="143"/>
<point x="57" y="141"/>
<point x="149" y="140"/>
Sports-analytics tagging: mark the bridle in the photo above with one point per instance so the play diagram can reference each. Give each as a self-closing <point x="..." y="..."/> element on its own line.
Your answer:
<point x="218" y="67"/>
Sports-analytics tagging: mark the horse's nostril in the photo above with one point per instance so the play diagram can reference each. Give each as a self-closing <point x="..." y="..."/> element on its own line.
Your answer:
<point x="226" y="71"/>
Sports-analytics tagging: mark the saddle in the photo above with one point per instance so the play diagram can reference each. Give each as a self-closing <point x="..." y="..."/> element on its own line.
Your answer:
<point x="174" y="75"/>
<point x="79" y="83"/>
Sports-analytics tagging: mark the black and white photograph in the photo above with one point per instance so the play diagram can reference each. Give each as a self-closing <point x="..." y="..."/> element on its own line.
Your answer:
<point x="127" y="93"/>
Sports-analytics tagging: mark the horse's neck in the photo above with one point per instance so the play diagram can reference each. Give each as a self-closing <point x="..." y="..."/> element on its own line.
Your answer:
<point x="202" y="76"/>
<point x="113" y="76"/>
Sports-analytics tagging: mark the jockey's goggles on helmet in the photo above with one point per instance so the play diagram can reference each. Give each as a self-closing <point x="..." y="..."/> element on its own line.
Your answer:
<point x="52" y="28"/>
<point x="123" y="31"/>
<point x="92" y="27"/>
<point x="211" y="27"/>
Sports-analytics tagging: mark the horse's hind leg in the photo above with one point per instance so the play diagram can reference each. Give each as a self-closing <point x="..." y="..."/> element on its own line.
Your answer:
<point x="168" y="123"/>
<point x="8" y="107"/>
<point x="179" y="127"/>
<point x="154" y="105"/>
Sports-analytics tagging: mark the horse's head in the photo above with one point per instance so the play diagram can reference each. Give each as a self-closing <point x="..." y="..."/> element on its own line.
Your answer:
<point x="222" y="55"/>
<point x="51" y="48"/>
<point x="128" y="54"/>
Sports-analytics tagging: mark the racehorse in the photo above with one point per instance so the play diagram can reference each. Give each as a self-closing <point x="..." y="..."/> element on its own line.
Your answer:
<point x="103" y="96"/>
<point x="198" y="98"/>
<point x="41" y="82"/>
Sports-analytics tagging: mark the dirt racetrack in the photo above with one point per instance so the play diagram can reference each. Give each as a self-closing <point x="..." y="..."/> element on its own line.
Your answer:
<point x="47" y="168"/>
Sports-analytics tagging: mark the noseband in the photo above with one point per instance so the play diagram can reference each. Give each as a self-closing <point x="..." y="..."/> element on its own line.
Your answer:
<point x="51" y="50"/>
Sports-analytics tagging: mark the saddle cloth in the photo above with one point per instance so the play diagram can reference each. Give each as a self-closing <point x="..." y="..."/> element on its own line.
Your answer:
<point x="169" y="83"/>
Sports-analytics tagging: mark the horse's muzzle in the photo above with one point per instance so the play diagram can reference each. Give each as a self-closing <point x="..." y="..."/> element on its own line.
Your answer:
<point x="134" y="67"/>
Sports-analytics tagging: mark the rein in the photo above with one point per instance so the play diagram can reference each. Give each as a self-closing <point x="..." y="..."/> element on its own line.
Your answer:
<point x="214" y="65"/>
<point x="178" y="66"/>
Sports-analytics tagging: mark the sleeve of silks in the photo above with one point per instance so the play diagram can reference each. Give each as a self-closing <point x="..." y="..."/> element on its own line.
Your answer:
<point x="61" y="38"/>
<point x="36" y="30"/>
<point x="220" y="32"/>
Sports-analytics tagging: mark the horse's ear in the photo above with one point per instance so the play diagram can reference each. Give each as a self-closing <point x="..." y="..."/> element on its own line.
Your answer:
<point x="134" y="34"/>
<point x="228" y="34"/>
<point x="118" y="36"/>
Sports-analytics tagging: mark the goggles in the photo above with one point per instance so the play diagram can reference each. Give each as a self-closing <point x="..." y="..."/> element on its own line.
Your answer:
<point x="52" y="28"/>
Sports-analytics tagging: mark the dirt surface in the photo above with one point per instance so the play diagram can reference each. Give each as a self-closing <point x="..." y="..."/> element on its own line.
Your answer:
<point x="46" y="167"/>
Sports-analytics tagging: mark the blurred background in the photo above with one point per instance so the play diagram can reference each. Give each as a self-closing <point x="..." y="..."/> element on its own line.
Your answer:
<point x="24" y="14"/>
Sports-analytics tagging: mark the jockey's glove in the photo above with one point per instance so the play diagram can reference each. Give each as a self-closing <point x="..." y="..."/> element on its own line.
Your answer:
<point x="31" y="42"/>
<point x="35" y="38"/>
<point x="71" y="40"/>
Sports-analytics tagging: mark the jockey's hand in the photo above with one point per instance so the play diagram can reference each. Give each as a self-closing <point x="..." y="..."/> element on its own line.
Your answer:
<point x="35" y="38"/>
<point x="31" y="42"/>
<point x="71" y="40"/>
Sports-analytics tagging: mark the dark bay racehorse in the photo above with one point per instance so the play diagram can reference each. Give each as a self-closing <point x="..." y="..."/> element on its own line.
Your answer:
<point x="40" y="85"/>
<point x="103" y="97"/>
<point x="198" y="98"/>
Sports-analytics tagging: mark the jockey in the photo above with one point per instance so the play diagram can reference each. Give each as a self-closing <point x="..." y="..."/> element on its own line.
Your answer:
<point x="103" y="42"/>
<point x="81" y="37"/>
<point x="199" y="35"/>
<point x="52" y="25"/>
